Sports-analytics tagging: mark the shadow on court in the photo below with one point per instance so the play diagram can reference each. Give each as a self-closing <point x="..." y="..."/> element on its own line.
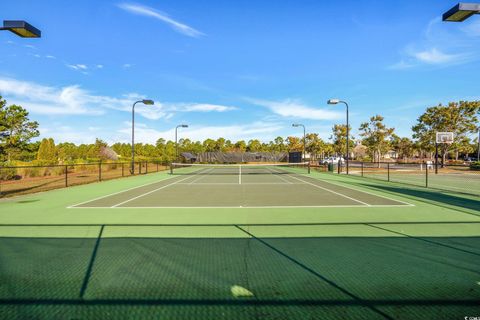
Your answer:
<point x="291" y="278"/>
<point x="429" y="196"/>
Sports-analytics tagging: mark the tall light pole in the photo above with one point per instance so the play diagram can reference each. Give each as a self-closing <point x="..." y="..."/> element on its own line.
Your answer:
<point x="176" y="143"/>
<point x="301" y="125"/>
<point x="337" y="101"/>
<point x="145" y="102"/>
<point x="459" y="13"/>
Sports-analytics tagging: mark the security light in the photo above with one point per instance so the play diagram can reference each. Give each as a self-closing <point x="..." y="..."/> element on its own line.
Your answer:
<point x="461" y="11"/>
<point x="21" y="28"/>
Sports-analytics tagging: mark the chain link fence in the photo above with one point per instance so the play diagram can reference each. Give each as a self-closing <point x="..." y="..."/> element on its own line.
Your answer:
<point x="29" y="179"/>
<point x="456" y="178"/>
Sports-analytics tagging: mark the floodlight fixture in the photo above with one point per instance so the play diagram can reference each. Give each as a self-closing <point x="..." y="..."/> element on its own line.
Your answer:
<point x="333" y="101"/>
<point x="148" y="102"/>
<point x="461" y="12"/>
<point x="21" y="28"/>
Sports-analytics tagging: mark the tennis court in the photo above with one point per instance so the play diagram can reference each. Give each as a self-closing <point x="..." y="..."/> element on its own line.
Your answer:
<point x="240" y="186"/>
<point x="176" y="246"/>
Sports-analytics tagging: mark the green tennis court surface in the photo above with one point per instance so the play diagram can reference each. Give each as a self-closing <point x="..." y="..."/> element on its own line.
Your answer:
<point x="241" y="186"/>
<point x="307" y="246"/>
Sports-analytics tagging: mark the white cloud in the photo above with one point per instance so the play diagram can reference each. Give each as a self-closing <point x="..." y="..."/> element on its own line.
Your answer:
<point x="70" y="100"/>
<point x="202" y="107"/>
<point x="50" y="56"/>
<point x="455" y="46"/>
<point x="150" y="12"/>
<point x="296" y="109"/>
<point x="99" y="66"/>
<point x="401" y="65"/>
<point x="78" y="66"/>
<point x="127" y="65"/>
<point x="435" y="56"/>
<point x="68" y="134"/>
<point x="472" y="28"/>
<point x="256" y="130"/>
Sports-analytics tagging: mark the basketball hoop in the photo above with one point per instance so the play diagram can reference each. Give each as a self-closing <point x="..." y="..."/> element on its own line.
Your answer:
<point x="444" y="137"/>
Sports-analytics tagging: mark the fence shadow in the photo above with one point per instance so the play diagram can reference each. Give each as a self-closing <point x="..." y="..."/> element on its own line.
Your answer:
<point x="430" y="196"/>
<point x="291" y="278"/>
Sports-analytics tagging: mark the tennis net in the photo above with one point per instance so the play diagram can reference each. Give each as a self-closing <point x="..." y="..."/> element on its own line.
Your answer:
<point x="239" y="169"/>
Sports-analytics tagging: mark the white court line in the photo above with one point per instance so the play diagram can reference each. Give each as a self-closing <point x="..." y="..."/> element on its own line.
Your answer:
<point x="373" y="194"/>
<point x="125" y="190"/>
<point x="280" y="177"/>
<point x="254" y="207"/>
<point x="243" y="183"/>
<point x="202" y="175"/>
<point x="337" y="193"/>
<point x="147" y="193"/>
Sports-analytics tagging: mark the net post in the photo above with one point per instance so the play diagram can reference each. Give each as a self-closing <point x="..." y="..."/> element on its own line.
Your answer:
<point x="66" y="176"/>
<point x="362" y="168"/>
<point x="426" y="176"/>
<point x="388" y="172"/>
<point x="308" y="166"/>
<point x="100" y="171"/>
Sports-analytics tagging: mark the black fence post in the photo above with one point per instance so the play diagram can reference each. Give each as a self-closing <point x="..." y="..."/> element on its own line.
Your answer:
<point x="388" y="172"/>
<point x="66" y="176"/>
<point x="157" y="166"/>
<point x="100" y="171"/>
<point x="426" y="175"/>
<point x="1" y="168"/>
<point x="140" y="167"/>
<point x="362" y="168"/>
<point x="146" y="167"/>
<point x="123" y="170"/>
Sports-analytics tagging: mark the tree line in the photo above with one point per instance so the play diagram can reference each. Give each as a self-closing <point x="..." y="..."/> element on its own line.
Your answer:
<point x="374" y="140"/>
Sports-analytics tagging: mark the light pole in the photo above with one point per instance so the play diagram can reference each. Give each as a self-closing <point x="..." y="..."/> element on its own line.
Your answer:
<point x="337" y="101"/>
<point x="145" y="102"/>
<point x="21" y="28"/>
<point x="301" y="125"/>
<point x="459" y="13"/>
<point x="176" y="143"/>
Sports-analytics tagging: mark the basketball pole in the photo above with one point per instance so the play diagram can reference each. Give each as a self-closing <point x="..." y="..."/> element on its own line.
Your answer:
<point x="436" y="157"/>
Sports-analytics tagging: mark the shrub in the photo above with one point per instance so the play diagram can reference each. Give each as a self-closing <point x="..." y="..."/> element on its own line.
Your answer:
<point x="8" y="173"/>
<point x="475" y="166"/>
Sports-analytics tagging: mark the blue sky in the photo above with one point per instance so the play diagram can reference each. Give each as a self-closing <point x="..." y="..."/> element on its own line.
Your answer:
<point x="237" y="69"/>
